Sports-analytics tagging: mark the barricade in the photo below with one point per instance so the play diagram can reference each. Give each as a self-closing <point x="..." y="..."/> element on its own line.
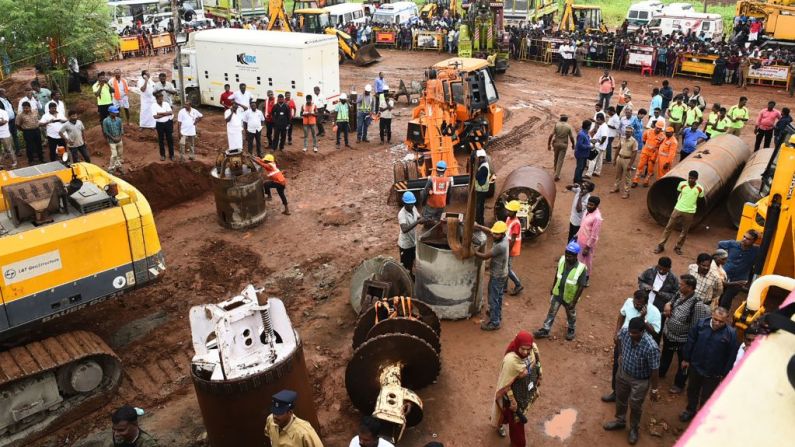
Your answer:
<point x="163" y="40"/>
<point x="639" y="56"/>
<point x="129" y="46"/>
<point x="768" y="75"/>
<point x="604" y="56"/>
<point x="696" y="65"/>
<point x="386" y="38"/>
<point x="429" y="40"/>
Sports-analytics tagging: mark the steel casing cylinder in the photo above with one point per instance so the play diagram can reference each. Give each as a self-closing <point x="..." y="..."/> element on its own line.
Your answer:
<point x="529" y="184"/>
<point x="746" y="188"/>
<point x="451" y="286"/>
<point x="718" y="162"/>
<point x="239" y="200"/>
<point x="234" y="411"/>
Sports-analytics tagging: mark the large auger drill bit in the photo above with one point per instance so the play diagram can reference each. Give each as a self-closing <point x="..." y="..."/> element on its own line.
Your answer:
<point x="397" y="351"/>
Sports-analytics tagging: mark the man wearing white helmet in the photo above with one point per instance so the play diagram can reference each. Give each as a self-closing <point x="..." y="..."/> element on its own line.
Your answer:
<point x="365" y="106"/>
<point x="342" y="119"/>
<point x="386" y="104"/>
<point x="482" y="181"/>
<point x="435" y="193"/>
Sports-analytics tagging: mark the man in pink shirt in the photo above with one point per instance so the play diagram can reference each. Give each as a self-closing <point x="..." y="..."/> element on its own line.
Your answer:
<point x="606" y="87"/>
<point x="765" y="123"/>
<point x="588" y="234"/>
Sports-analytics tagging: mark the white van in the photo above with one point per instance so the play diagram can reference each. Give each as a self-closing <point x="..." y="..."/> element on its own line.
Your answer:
<point x="346" y="13"/>
<point x="398" y="13"/>
<point x="688" y="22"/>
<point x="641" y="13"/>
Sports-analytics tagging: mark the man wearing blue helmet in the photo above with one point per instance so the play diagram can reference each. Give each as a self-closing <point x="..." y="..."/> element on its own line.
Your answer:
<point x="408" y="218"/>
<point x="113" y="130"/>
<point x="435" y="193"/>
<point x="566" y="290"/>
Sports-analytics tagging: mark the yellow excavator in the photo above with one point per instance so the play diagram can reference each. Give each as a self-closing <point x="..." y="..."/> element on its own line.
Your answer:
<point x="318" y="21"/>
<point x="778" y="16"/>
<point x="773" y="217"/>
<point x="71" y="236"/>
<point x="586" y="18"/>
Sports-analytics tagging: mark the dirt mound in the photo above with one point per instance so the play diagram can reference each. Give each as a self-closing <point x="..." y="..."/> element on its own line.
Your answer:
<point x="167" y="184"/>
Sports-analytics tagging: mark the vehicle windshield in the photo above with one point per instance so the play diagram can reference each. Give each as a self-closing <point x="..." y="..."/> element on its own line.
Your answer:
<point x="654" y="23"/>
<point x="382" y="18"/>
<point x="491" y="89"/>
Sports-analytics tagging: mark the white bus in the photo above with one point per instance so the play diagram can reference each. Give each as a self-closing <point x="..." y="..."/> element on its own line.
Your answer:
<point x="125" y="13"/>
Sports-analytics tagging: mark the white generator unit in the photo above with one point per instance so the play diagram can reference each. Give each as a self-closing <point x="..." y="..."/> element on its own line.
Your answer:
<point x="263" y="60"/>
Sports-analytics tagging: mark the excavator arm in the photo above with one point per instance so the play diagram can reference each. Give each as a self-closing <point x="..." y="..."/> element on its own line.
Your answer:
<point x="278" y="16"/>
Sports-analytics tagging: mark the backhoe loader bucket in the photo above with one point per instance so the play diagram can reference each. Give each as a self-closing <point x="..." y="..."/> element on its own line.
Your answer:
<point x="366" y="55"/>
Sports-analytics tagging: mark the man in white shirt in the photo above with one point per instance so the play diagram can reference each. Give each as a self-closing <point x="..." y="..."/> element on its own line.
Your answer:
<point x="578" y="205"/>
<point x="59" y="104"/>
<point x="322" y="111"/>
<point x="242" y="97"/>
<point x="31" y="98"/>
<point x="567" y="55"/>
<point x="164" y="124"/>
<point x="653" y="118"/>
<point x="9" y="109"/>
<point x="6" y="142"/>
<point x="53" y="121"/>
<point x="188" y="118"/>
<point x="368" y="434"/>
<point x="234" y="126"/>
<point x="613" y="124"/>
<point x="600" y="144"/>
<point x="253" y="121"/>
<point x="164" y="88"/>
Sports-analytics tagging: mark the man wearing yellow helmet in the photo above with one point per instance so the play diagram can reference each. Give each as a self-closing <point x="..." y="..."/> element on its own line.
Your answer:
<point x="275" y="179"/>
<point x="514" y="234"/>
<point x="498" y="269"/>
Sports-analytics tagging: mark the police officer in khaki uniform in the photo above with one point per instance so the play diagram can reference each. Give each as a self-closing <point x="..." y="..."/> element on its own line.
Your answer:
<point x="284" y="429"/>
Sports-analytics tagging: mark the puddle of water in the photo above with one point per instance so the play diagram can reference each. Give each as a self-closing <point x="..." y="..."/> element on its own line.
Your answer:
<point x="562" y="424"/>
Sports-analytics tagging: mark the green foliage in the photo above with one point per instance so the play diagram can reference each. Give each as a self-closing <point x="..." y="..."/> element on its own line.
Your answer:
<point x="81" y="28"/>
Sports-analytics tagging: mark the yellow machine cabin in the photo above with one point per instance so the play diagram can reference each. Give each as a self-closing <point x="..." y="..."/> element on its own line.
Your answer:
<point x="778" y="16"/>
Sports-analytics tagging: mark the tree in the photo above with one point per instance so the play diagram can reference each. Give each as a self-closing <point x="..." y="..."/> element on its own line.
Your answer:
<point x="47" y="32"/>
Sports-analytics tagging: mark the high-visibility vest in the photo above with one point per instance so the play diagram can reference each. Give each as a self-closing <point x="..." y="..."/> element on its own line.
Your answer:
<point x="274" y="173"/>
<point x="570" y="287"/>
<point x="438" y="193"/>
<point x="517" y="244"/>
<point x="485" y="187"/>
<point x="117" y="92"/>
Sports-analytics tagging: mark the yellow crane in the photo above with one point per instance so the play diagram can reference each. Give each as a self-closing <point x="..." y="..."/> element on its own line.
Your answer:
<point x="583" y="17"/>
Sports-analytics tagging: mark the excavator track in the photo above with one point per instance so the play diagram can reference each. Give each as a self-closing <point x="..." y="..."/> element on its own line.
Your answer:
<point x="52" y="382"/>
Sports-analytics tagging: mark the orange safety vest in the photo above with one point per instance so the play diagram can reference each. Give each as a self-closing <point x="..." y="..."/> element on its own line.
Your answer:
<point x="117" y="90"/>
<point x="310" y="119"/>
<point x="517" y="245"/>
<point x="438" y="193"/>
<point x="652" y="141"/>
<point x="274" y="173"/>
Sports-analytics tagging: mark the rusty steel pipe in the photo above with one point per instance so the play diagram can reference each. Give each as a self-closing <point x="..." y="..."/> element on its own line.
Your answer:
<point x="532" y="186"/>
<point x="718" y="162"/>
<point x="234" y="411"/>
<point x="747" y="187"/>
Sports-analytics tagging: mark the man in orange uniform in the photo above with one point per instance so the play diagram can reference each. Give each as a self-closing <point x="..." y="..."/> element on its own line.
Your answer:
<point x="652" y="139"/>
<point x="514" y="234"/>
<point x="435" y="193"/>
<point x="275" y="180"/>
<point x="666" y="153"/>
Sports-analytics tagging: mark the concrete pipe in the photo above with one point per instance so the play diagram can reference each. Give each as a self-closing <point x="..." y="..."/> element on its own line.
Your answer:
<point x="748" y="185"/>
<point x="718" y="162"/>
<point x="535" y="189"/>
<point x="452" y="287"/>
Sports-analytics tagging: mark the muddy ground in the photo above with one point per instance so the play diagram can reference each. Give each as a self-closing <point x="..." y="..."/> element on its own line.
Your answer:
<point x="340" y="218"/>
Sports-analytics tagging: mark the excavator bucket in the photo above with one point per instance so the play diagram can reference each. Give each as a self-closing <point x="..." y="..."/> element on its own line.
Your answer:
<point x="366" y="55"/>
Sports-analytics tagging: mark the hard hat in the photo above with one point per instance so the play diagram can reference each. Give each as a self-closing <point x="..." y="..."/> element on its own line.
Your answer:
<point x="659" y="124"/>
<point x="408" y="198"/>
<point x="385" y="87"/>
<point x="513" y="205"/>
<point x="113" y="109"/>
<point x="499" y="227"/>
<point x="268" y="157"/>
<point x="343" y="96"/>
<point x="669" y="129"/>
<point x="480" y="153"/>
<point x="368" y="88"/>
<point x="441" y="165"/>
<point x="792" y="139"/>
<point x="573" y="247"/>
